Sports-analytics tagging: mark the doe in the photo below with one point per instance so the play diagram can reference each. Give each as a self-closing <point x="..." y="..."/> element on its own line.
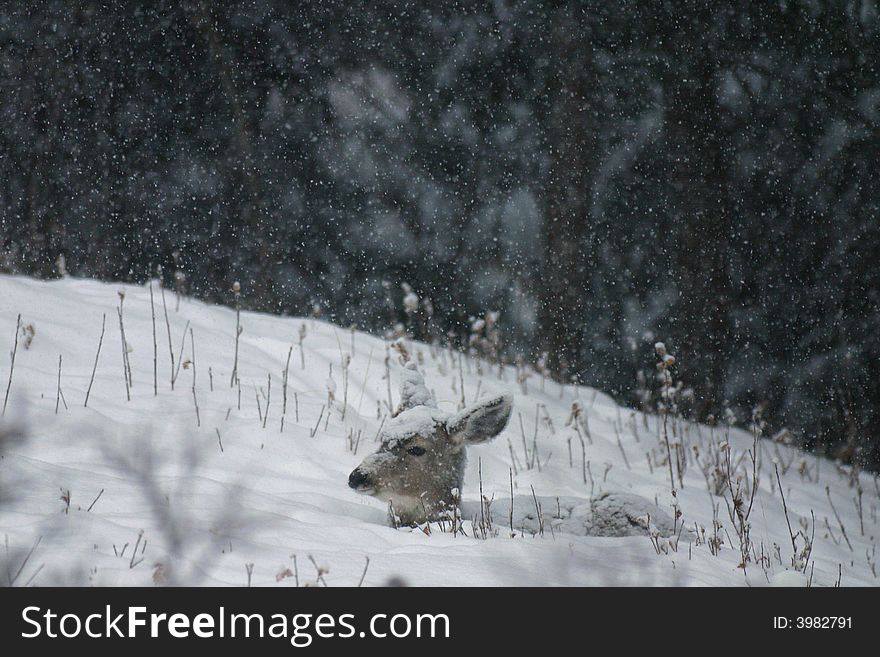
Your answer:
<point x="419" y="468"/>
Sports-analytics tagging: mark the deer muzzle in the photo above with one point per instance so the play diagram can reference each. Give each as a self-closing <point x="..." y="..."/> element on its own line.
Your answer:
<point x="360" y="481"/>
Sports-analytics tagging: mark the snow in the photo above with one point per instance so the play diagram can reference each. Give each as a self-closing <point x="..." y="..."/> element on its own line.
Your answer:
<point x="418" y="420"/>
<point x="275" y="496"/>
<point x="413" y="391"/>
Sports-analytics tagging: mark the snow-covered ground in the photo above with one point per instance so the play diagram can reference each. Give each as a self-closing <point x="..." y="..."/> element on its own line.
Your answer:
<point x="177" y="508"/>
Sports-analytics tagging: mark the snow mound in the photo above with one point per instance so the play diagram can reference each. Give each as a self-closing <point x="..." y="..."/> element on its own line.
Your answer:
<point x="610" y="514"/>
<point x="624" y="514"/>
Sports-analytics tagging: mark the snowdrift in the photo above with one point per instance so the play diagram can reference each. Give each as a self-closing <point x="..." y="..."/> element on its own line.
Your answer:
<point x="213" y="484"/>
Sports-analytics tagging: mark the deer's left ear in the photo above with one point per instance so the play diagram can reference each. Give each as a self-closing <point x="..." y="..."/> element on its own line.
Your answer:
<point x="480" y="422"/>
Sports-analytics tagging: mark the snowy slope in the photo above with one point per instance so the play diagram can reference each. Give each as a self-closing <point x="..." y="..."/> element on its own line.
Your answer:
<point x="275" y="498"/>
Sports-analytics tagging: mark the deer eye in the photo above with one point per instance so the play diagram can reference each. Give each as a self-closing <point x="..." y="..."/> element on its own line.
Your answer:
<point x="416" y="451"/>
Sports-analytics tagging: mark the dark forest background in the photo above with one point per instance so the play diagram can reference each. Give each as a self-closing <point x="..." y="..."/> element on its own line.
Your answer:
<point x="601" y="174"/>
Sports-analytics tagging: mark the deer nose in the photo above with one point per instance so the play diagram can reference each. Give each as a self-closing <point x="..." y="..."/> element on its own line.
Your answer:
<point x="358" y="478"/>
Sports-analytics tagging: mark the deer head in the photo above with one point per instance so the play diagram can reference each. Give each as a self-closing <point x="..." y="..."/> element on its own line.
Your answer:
<point x="419" y="468"/>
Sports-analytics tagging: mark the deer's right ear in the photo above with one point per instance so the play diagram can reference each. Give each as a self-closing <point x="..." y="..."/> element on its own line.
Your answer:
<point x="480" y="422"/>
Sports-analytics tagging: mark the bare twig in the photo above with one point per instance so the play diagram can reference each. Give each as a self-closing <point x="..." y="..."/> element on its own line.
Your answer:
<point x="95" y="500"/>
<point x="12" y="578"/>
<point x="364" y="574"/>
<point x="132" y="563"/>
<point x="259" y="406"/>
<point x="155" y="344"/>
<point x="97" y="355"/>
<point x="538" y="510"/>
<point x="12" y="364"/>
<point x="236" y="289"/>
<point x="785" y="509"/>
<point x="318" y="423"/>
<point x="268" y="400"/>
<point x="192" y="345"/>
<point x="124" y="353"/>
<point x="58" y="387"/>
<point x="180" y="355"/>
<point x="482" y="499"/>
<point x="461" y="380"/>
<point x="284" y="384"/>
<point x="121" y="294"/>
<point x="839" y="521"/>
<point x="623" y="452"/>
<point x="512" y="532"/>
<point x="34" y="576"/>
<point x="387" y="377"/>
<point x="168" y="327"/>
<point x="522" y="431"/>
<point x="320" y="571"/>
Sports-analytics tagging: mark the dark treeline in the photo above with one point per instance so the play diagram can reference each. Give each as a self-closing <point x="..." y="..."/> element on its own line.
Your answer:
<point x="602" y="174"/>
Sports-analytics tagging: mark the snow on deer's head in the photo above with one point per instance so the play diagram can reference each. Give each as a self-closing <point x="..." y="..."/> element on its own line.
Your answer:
<point x="419" y="467"/>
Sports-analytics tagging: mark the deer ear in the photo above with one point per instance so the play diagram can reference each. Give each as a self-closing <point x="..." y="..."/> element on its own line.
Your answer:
<point x="480" y="422"/>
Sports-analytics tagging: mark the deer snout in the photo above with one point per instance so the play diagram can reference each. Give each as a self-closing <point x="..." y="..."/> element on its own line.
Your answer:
<point x="359" y="480"/>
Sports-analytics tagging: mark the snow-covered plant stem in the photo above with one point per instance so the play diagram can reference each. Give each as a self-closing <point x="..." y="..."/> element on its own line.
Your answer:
<point x="236" y="290"/>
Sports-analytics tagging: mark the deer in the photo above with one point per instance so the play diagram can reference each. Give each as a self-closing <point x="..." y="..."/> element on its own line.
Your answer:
<point x="419" y="471"/>
<point x="419" y="467"/>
